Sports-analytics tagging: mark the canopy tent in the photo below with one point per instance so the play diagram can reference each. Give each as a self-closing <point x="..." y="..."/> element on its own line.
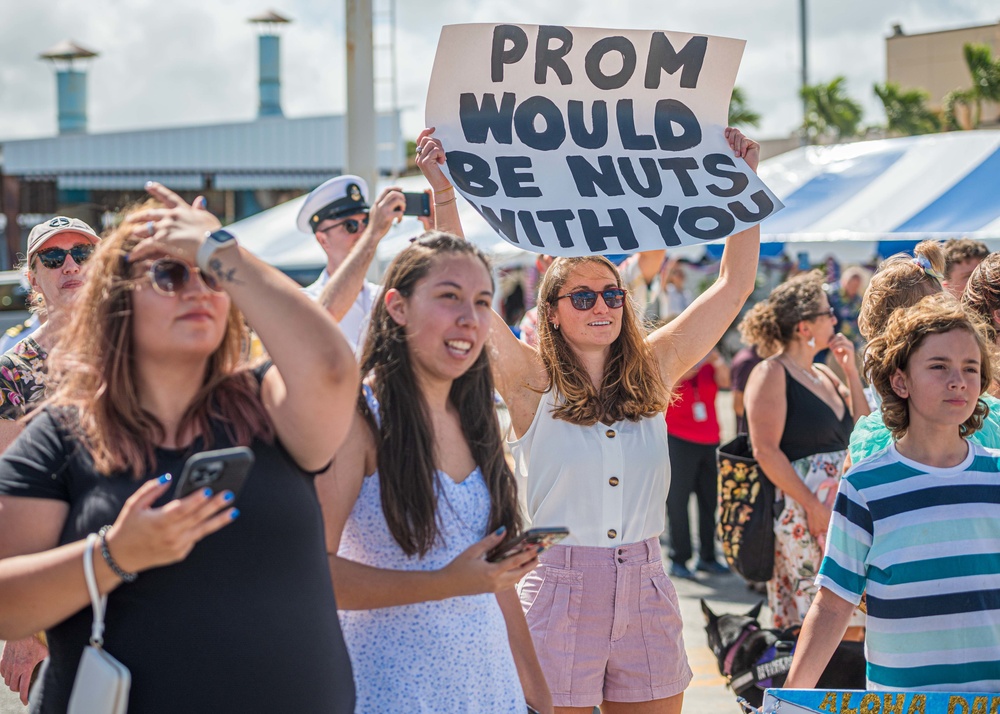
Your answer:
<point x="881" y="197"/>
<point x="852" y="201"/>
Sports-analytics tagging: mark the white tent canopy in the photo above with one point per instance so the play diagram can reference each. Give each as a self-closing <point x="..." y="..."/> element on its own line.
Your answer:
<point x="847" y="200"/>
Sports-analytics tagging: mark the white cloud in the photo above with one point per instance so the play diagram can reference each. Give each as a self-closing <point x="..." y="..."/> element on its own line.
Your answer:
<point x="194" y="61"/>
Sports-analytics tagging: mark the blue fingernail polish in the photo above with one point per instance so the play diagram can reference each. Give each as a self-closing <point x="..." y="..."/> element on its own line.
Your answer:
<point x="165" y="478"/>
<point x="228" y="496"/>
<point x="234" y="513"/>
<point x="207" y="492"/>
<point x="501" y="530"/>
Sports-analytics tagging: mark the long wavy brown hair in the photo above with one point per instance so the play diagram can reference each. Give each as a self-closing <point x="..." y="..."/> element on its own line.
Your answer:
<point x="407" y="463"/>
<point x="905" y="331"/>
<point x="96" y="391"/>
<point x="631" y="387"/>
<point x="982" y="292"/>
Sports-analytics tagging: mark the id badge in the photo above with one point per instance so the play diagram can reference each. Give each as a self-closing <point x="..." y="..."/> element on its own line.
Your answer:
<point x="699" y="411"/>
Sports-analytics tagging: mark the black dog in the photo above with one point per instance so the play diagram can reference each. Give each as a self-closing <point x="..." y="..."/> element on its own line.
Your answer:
<point x="753" y="659"/>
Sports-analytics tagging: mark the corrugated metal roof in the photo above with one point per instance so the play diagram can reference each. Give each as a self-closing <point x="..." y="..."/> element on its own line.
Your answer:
<point x="130" y="182"/>
<point x="269" y="145"/>
<point x="305" y="180"/>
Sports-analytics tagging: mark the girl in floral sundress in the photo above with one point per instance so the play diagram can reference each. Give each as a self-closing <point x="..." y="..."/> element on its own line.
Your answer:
<point x="421" y="493"/>
<point x="800" y="417"/>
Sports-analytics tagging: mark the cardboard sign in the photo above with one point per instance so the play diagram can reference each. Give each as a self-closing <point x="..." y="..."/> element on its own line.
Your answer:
<point x="578" y="141"/>
<point x="820" y="701"/>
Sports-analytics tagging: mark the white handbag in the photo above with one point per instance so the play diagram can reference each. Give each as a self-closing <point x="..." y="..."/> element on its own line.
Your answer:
<point x="102" y="682"/>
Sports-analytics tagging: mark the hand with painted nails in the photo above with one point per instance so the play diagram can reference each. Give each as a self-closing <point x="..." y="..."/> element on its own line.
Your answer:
<point x="145" y="537"/>
<point x="471" y="574"/>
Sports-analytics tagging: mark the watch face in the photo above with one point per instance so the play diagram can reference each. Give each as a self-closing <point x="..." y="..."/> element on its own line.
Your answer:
<point x="221" y="237"/>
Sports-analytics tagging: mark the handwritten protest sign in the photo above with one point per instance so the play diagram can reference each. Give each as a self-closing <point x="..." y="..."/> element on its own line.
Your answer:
<point x="819" y="701"/>
<point x="575" y="141"/>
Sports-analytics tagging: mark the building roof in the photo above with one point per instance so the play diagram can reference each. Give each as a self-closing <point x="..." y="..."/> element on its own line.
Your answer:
<point x="269" y="152"/>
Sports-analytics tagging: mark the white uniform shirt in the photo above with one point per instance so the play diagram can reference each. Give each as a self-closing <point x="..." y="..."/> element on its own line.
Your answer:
<point x="355" y="323"/>
<point x="607" y="484"/>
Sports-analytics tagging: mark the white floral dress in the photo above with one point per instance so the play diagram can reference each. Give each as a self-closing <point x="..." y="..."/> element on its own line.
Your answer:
<point x="447" y="656"/>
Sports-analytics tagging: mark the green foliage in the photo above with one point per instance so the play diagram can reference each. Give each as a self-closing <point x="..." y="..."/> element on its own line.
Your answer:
<point x="740" y="113"/>
<point x="906" y="110"/>
<point x="830" y="113"/>
<point x="963" y="108"/>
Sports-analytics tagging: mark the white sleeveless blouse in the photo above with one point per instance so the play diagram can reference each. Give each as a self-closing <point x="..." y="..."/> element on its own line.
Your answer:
<point x="607" y="484"/>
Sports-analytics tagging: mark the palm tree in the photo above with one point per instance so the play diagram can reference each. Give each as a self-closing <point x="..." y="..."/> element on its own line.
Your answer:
<point x="906" y="110"/>
<point x="985" y="73"/>
<point x="740" y="113"/>
<point x="830" y="113"/>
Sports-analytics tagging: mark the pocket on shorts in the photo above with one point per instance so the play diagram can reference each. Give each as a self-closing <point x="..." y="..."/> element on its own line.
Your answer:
<point x="662" y="627"/>
<point x="551" y="600"/>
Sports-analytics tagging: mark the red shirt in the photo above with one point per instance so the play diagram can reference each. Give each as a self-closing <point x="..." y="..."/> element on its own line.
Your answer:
<point x="685" y="418"/>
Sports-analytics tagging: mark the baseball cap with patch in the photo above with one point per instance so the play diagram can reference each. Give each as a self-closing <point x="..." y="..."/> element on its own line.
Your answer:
<point x="55" y="226"/>
<point x="340" y="196"/>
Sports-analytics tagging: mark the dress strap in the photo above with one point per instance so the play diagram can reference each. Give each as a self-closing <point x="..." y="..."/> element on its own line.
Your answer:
<point x="373" y="404"/>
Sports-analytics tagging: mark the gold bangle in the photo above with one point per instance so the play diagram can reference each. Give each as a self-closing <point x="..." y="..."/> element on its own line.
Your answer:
<point x="445" y="203"/>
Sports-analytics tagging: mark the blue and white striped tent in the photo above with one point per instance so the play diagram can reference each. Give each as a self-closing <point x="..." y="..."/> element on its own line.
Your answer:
<point x="884" y="196"/>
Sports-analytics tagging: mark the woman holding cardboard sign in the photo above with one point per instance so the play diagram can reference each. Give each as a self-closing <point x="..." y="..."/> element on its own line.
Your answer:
<point x="587" y="412"/>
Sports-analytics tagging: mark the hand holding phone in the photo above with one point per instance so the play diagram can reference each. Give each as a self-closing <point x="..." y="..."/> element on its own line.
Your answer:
<point x="542" y="538"/>
<point x="219" y="470"/>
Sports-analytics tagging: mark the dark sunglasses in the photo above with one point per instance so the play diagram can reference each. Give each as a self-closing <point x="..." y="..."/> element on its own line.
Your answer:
<point x="829" y="312"/>
<point x="351" y="225"/>
<point x="53" y="258"/>
<point x="169" y="276"/>
<point x="586" y="299"/>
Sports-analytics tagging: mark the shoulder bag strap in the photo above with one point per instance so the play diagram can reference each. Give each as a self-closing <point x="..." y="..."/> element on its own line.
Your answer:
<point x="97" y="601"/>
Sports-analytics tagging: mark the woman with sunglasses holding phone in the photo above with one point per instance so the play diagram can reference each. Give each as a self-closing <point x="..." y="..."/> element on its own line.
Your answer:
<point x="800" y="416"/>
<point x="209" y="611"/>
<point x="587" y="410"/>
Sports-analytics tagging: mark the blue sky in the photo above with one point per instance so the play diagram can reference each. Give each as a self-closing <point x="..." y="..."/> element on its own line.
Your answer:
<point x="192" y="62"/>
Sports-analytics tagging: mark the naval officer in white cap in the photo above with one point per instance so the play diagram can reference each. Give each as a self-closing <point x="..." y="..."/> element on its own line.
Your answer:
<point x="337" y="213"/>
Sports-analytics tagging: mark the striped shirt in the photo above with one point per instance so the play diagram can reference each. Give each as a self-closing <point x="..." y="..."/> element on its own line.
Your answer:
<point x="924" y="543"/>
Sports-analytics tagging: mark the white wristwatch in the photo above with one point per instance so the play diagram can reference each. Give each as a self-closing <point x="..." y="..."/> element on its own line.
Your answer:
<point x="214" y="240"/>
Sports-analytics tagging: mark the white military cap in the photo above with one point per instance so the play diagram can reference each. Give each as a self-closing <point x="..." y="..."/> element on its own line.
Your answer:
<point x="340" y="196"/>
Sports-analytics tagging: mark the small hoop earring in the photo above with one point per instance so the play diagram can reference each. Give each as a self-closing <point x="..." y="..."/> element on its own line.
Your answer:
<point x="555" y="327"/>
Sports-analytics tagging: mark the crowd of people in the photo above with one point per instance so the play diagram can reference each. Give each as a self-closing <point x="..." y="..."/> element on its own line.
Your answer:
<point x="366" y="564"/>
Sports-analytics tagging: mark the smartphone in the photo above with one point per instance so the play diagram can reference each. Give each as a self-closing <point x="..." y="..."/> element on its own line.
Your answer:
<point x="804" y="261"/>
<point x="544" y="537"/>
<point x="417" y="204"/>
<point x="219" y="470"/>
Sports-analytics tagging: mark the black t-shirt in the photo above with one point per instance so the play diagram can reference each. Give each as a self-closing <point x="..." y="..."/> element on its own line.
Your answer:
<point x="246" y="623"/>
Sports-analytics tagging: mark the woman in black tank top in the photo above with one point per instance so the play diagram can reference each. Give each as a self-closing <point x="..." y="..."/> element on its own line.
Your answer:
<point x="800" y="416"/>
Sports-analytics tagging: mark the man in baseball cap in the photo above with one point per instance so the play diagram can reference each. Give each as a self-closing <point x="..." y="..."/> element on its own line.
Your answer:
<point x="337" y="213"/>
<point x="57" y="250"/>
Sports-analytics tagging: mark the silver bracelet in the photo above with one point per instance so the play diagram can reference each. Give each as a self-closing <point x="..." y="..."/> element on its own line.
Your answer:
<point x="115" y="568"/>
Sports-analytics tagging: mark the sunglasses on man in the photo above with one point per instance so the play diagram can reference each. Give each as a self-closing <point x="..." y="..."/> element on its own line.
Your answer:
<point x="351" y="225"/>
<point x="53" y="258"/>
<point x="586" y="299"/>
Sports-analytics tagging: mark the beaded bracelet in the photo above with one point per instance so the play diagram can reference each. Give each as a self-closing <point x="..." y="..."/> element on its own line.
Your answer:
<point x="115" y="568"/>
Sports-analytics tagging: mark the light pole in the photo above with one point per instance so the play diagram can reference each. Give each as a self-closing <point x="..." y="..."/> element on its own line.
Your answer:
<point x="803" y="39"/>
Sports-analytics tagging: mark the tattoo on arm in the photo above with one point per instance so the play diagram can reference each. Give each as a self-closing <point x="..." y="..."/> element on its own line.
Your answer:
<point x="221" y="274"/>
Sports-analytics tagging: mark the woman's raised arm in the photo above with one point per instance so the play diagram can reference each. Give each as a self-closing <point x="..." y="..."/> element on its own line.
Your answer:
<point x="683" y="341"/>
<point x="310" y="391"/>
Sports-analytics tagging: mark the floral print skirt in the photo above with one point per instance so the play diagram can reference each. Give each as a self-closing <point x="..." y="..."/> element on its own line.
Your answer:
<point x="797" y="555"/>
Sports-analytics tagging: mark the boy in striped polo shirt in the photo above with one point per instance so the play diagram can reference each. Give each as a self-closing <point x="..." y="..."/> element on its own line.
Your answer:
<point x="917" y="526"/>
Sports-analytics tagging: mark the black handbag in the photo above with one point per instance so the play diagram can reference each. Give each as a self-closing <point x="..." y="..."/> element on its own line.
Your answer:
<point x="745" y="525"/>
